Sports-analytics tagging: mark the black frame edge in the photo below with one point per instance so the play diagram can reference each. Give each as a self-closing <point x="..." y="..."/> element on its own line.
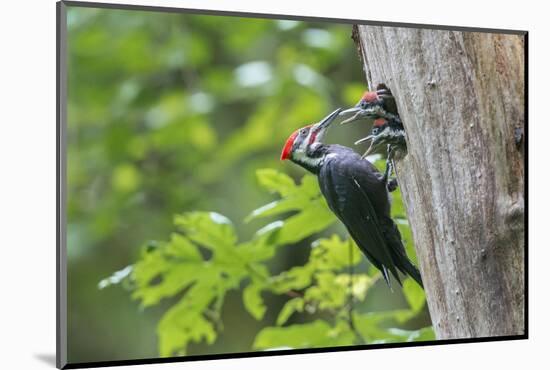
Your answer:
<point x="221" y="356"/>
<point x="287" y="16"/>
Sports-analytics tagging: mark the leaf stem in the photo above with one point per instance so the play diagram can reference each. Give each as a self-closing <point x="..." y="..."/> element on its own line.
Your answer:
<point x="358" y="337"/>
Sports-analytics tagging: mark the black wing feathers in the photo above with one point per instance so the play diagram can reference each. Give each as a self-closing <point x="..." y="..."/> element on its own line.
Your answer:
<point x="351" y="190"/>
<point x="358" y="197"/>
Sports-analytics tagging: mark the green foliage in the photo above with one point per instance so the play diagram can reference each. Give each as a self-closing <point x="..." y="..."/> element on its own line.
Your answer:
<point x="179" y="267"/>
<point x="315" y="334"/>
<point x="204" y="260"/>
<point x="370" y="326"/>
<point x="414" y="294"/>
<point x="313" y="213"/>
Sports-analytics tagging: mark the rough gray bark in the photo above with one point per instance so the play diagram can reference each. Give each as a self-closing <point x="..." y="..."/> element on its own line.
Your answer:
<point x="461" y="98"/>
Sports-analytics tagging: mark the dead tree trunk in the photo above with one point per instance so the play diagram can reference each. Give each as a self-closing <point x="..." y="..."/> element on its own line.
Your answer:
<point x="461" y="98"/>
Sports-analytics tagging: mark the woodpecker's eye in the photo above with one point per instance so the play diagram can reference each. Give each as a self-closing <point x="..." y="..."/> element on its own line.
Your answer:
<point x="364" y="104"/>
<point x="375" y="131"/>
<point x="303" y="131"/>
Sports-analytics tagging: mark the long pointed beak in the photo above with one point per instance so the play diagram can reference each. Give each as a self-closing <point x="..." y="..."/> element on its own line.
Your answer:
<point x="369" y="150"/>
<point x="353" y="114"/>
<point x="350" y="111"/>
<point x="374" y="143"/>
<point x="370" y="137"/>
<point x="320" y="128"/>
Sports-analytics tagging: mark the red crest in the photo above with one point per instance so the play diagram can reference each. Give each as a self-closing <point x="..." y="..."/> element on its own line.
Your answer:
<point x="379" y="122"/>
<point x="370" y="96"/>
<point x="288" y="145"/>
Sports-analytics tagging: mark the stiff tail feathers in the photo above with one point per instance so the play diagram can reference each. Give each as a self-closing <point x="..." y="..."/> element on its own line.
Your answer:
<point x="397" y="250"/>
<point x="411" y="270"/>
<point x="407" y="268"/>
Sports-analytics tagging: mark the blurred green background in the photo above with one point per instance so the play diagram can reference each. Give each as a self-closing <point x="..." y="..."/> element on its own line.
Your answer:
<point x="169" y="113"/>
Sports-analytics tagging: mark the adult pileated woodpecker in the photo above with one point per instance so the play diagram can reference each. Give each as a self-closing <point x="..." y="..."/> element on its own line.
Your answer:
<point x="356" y="192"/>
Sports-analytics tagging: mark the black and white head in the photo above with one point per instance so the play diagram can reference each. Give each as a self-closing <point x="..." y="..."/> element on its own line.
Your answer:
<point x="373" y="104"/>
<point x="385" y="131"/>
<point x="304" y="146"/>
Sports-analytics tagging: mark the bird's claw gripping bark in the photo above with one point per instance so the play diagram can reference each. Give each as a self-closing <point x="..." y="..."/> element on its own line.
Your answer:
<point x="391" y="185"/>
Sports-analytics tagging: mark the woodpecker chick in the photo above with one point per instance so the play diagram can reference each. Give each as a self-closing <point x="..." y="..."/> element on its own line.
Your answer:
<point x="387" y="127"/>
<point x="380" y="107"/>
<point x="357" y="194"/>
<point x="389" y="132"/>
<point x="385" y="131"/>
<point x="373" y="104"/>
